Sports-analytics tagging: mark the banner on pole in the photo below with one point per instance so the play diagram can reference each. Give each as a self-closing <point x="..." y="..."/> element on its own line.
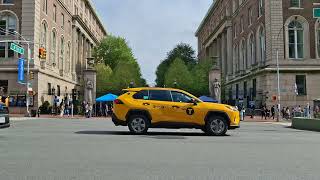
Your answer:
<point x="21" y="70"/>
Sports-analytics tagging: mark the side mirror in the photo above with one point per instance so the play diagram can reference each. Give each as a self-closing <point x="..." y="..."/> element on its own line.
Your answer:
<point x="195" y="102"/>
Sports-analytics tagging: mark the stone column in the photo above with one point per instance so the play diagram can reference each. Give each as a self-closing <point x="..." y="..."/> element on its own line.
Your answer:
<point x="90" y="85"/>
<point x="229" y="50"/>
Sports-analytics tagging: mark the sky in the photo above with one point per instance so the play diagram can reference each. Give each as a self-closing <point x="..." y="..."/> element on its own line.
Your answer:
<point x="152" y="27"/>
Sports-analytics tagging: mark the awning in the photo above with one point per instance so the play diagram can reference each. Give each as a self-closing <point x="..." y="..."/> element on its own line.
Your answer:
<point x="107" y="98"/>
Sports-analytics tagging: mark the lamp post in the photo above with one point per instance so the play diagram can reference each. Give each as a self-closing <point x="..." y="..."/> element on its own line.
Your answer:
<point x="278" y="77"/>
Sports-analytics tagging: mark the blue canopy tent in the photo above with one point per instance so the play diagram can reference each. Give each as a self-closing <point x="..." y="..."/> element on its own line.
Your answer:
<point x="107" y="98"/>
<point x="208" y="99"/>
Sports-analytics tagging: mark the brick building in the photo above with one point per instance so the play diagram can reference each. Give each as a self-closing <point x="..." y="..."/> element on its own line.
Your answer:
<point x="67" y="29"/>
<point x="245" y="36"/>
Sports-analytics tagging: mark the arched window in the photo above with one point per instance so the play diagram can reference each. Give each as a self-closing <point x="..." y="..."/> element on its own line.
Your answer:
<point x="68" y="58"/>
<point x="251" y="50"/>
<point x="243" y="59"/>
<point x="296" y="38"/>
<point x="318" y="38"/>
<point x="8" y="23"/>
<point x="61" y="53"/>
<point x="53" y="47"/>
<point x="43" y="37"/>
<point x="262" y="44"/>
<point x="235" y="59"/>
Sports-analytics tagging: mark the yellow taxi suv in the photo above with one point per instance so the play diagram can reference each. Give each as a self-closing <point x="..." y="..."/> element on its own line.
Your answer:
<point x="144" y="108"/>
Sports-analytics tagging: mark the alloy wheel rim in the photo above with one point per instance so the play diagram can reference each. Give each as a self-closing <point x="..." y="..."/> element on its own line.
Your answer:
<point x="138" y="125"/>
<point x="217" y="126"/>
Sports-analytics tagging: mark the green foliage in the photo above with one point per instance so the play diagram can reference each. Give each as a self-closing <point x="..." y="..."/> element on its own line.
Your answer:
<point x="103" y="78"/>
<point x="182" y="51"/>
<point x="178" y="72"/>
<point x="116" y="66"/>
<point x="200" y="81"/>
<point x="45" y="108"/>
<point x="113" y="50"/>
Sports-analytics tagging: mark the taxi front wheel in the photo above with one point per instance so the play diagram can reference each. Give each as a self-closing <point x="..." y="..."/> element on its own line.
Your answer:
<point x="138" y="124"/>
<point x="216" y="126"/>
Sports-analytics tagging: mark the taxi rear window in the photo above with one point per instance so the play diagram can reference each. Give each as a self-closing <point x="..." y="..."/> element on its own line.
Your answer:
<point x="144" y="94"/>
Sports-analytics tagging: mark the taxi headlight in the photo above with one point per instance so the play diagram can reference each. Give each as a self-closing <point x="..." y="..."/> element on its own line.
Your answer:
<point x="232" y="108"/>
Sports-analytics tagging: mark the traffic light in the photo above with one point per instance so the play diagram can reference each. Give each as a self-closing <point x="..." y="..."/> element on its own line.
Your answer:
<point x="42" y="53"/>
<point x="31" y="75"/>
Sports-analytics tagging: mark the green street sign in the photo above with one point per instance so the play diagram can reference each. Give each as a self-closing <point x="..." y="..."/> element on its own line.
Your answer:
<point x="16" y="48"/>
<point x="316" y="12"/>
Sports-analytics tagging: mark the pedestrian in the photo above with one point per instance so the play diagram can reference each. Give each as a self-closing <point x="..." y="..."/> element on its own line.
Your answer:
<point x="86" y="109"/>
<point x="106" y="109"/>
<point x="272" y="112"/>
<point x="287" y="113"/>
<point x="263" y="112"/>
<point x="62" y="108"/>
<point x="242" y="113"/>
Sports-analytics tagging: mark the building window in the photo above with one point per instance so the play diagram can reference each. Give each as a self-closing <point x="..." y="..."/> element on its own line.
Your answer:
<point x="250" y="16"/>
<point x="54" y="13"/>
<point x="243" y="55"/>
<point x="43" y="40"/>
<point x="234" y="6"/>
<point x="262" y="45"/>
<point x="301" y="88"/>
<point x="295" y="3"/>
<point x="62" y="20"/>
<point x="58" y="90"/>
<point x="53" y="46"/>
<point x="45" y="6"/>
<point x="254" y="88"/>
<point x="61" y="53"/>
<point x="2" y="50"/>
<point x="295" y="33"/>
<point x="8" y="23"/>
<point x="318" y="38"/>
<point x="235" y="58"/>
<point x="49" y="89"/>
<point x="245" y="94"/>
<point x="8" y="2"/>
<point x="251" y="48"/>
<point x="235" y="30"/>
<point x="68" y="58"/>
<point x="242" y="24"/>
<point x="261" y="8"/>
<point x="237" y="91"/>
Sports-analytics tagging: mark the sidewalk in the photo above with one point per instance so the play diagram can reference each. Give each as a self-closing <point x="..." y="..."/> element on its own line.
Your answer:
<point x="17" y="117"/>
<point x="267" y="121"/>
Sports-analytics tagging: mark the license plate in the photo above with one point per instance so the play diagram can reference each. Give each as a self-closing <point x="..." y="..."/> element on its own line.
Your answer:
<point x="2" y="119"/>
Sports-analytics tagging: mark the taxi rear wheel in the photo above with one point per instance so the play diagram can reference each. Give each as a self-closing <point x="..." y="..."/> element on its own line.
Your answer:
<point x="216" y="126"/>
<point x="138" y="124"/>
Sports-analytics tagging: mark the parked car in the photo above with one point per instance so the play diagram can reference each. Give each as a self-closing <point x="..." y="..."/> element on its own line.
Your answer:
<point x="143" y="108"/>
<point x="4" y="116"/>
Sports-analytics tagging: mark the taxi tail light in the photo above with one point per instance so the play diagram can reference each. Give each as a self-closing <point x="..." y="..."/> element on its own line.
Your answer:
<point x="117" y="101"/>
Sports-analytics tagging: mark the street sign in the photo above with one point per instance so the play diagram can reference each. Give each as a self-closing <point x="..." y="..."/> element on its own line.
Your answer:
<point x="316" y="12"/>
<point x="21" y="69"/>
<point x="16" y="48"/>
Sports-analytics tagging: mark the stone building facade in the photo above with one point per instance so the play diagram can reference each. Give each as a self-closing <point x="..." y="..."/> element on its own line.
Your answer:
<point x="67" y="29"/>
<point x="245" y="37"/>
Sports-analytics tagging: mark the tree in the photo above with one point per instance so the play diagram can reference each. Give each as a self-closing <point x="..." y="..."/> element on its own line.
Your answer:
<point x="182" y="51"/>
<point x="200" y="73"/>
<point x="125" y="73"/>
<point x="103" y="79"/>
<point x="178" y="73"/>
<point x="113" y="50"/>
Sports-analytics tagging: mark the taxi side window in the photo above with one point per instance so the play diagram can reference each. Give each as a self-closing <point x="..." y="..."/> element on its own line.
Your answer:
<point x="160" y="95"/>
<point x="180" y="97"/>
<point x="144" y="94"/>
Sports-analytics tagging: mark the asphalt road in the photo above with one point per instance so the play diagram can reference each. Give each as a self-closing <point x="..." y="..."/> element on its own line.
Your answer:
<point x="95" y="149"/>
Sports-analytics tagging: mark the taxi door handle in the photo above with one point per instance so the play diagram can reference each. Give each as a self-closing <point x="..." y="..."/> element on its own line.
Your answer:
<point x="176" y="107"/>
<point x="146" y="104"/>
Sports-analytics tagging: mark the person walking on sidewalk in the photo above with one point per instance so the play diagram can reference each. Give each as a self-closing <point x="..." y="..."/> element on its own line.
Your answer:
<point x="263" y="112"/>
<point x="272" y="112"/>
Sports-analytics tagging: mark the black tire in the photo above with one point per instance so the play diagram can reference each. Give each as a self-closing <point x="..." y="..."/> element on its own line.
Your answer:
<point x="215" y="121"/>
<point x="138" y="124"/>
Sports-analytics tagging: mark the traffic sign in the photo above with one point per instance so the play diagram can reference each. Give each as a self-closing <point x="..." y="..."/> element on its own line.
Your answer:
<point x="316" y="12"/>
<point x="16" y="48"/>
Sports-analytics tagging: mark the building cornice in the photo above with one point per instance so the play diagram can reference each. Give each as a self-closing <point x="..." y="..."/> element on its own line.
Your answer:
<point x="209" y="12"/>
<point x="95" y="13"/>
<point x="85" y="27"/>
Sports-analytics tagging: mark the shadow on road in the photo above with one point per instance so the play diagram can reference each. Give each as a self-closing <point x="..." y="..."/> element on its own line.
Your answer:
<point x="156" y="135"/>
